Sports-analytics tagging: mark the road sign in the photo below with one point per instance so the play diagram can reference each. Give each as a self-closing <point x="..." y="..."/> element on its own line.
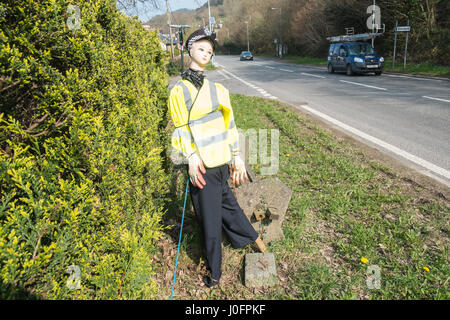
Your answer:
<point x="212" y="20"/>
<point x="406" y="29"/>
<point x="403" y="29"/>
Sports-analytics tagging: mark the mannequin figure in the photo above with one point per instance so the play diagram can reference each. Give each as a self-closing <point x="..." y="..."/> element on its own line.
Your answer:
<point x="207" y="140"/>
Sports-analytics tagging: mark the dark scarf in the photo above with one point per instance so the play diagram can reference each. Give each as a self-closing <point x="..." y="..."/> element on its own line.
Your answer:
<point x="195" y="77"/>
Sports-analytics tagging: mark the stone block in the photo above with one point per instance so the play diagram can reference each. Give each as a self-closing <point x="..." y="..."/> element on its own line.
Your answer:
<point x="265" y="203"/>
<point x="260" y="270"/>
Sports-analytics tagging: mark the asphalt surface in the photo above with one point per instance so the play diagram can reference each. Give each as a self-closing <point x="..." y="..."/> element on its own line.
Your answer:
<point x="404" y="116"/>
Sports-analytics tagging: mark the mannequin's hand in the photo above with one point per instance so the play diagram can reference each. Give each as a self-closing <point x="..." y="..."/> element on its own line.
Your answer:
<point x="196" y="169"/>
<point x="239" y="171"/>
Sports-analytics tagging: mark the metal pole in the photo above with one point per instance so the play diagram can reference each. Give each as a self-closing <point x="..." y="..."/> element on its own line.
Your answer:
<point x="180" y="36"/>
<point x="395" y="43"/>
<point x="406" y="48"/>
<point x="373" y="22"/>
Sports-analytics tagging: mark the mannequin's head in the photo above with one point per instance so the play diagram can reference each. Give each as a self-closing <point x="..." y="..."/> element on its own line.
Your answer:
<point x="201" y="53"/>
<point x="200" y="46"/>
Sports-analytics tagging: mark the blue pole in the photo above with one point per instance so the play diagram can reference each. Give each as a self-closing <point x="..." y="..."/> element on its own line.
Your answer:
<point x="179" y="240"/>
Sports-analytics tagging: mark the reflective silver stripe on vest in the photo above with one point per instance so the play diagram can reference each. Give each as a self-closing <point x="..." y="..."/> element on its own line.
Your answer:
<point x="181" y="133"/>
<point x="214" y="97"/>
<point x="214" y="114"/>
<point x="232" y="125"/>
<point x="186" y="95"/>
<point x="211" y="140"/>
<point x="208" y="117"/>
<point x="212" y="92"/>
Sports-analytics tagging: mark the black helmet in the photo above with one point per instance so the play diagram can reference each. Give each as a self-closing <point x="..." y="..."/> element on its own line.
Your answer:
<point x="200" y="34"/>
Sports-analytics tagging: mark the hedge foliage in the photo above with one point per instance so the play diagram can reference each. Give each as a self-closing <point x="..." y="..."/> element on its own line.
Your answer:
<point x="82" y="179"/>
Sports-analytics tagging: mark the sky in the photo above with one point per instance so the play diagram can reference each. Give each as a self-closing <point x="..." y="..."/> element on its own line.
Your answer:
<point x="173" y="4"/>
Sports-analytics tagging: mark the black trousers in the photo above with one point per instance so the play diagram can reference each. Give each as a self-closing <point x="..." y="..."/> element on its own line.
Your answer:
<point x="215" y="208"/>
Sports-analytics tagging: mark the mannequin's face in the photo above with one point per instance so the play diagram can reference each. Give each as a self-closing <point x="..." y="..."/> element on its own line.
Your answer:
<point x="201" y="53"/>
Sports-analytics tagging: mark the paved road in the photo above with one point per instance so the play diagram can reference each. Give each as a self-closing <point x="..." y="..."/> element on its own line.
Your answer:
<point x="406" y="117"/>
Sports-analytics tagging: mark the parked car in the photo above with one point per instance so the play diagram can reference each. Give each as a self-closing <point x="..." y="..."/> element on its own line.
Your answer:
<point x="354" y="57"/>
<point x="246" y="55"/>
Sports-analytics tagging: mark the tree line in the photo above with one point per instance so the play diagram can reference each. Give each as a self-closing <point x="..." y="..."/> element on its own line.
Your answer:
<point x="304" y="25"/>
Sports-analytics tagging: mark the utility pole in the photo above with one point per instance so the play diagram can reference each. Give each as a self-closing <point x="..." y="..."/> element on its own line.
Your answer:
<point x="280" y="41"/>
<point x="209" y="16"/>
<point x="170" y="29"/>
<point x="248" y="43"/>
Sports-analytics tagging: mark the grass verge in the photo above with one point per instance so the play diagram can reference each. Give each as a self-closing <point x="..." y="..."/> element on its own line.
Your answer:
<point x="347" y="214"/>
<point x="427" y="69"/>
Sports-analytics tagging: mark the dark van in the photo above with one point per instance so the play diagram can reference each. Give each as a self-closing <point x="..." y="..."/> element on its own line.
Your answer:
<point x="354" y="57"/>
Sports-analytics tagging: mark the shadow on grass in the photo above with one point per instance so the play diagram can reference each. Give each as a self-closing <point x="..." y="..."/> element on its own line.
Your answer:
<point x="192" y="243"/>
<point x="192" y="240"/>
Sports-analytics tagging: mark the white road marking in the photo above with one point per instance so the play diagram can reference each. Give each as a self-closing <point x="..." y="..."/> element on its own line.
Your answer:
<point x="260" y="90"/>
<point x="443" y="100"/>
<point x="417" y="160"/>
<point x="223" y="74"/>
<point x="364" y="85"/>
<point x="313" y="75"/>
<point x="270" y="67"/>
<point x="415" y="78"/>
<point x="286" y="70"/>
<point x="428" y="165"/>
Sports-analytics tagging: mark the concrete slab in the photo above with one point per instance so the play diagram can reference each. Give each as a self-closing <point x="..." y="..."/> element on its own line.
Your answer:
<point x="274" y="196"/>
<point x="260" y="270"/>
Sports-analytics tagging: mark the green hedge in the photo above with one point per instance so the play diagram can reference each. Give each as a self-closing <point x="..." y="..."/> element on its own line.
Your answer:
<point x="82" y="179"/>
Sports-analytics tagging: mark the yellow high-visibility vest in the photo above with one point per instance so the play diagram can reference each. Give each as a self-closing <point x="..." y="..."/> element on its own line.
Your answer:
<point x="204" y="122"/>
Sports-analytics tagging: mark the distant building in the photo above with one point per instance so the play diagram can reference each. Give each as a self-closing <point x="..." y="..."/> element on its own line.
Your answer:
<point x="165" y="38"/>
<point x="147" y="27"/>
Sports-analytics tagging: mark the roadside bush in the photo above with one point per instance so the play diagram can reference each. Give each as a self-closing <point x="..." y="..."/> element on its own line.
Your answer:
<point x="173" y="68"/>
<point x="82" y="184"/>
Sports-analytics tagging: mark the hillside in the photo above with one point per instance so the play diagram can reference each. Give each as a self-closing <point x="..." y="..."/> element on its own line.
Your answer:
<point x="195" y="18"/>
<point x="304" y="25"/>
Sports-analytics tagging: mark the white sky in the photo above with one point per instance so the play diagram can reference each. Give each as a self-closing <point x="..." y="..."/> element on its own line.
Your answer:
<point x="173" y="4"/>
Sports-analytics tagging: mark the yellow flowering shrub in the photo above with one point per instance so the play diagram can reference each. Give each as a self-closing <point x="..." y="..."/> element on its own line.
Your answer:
<point x="82" y="179"/>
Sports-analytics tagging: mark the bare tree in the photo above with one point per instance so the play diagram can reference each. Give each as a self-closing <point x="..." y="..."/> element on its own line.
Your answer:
<point x="131" y="4"/>
<point x="428" y="14"/>
<point x="136" y="5"/>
